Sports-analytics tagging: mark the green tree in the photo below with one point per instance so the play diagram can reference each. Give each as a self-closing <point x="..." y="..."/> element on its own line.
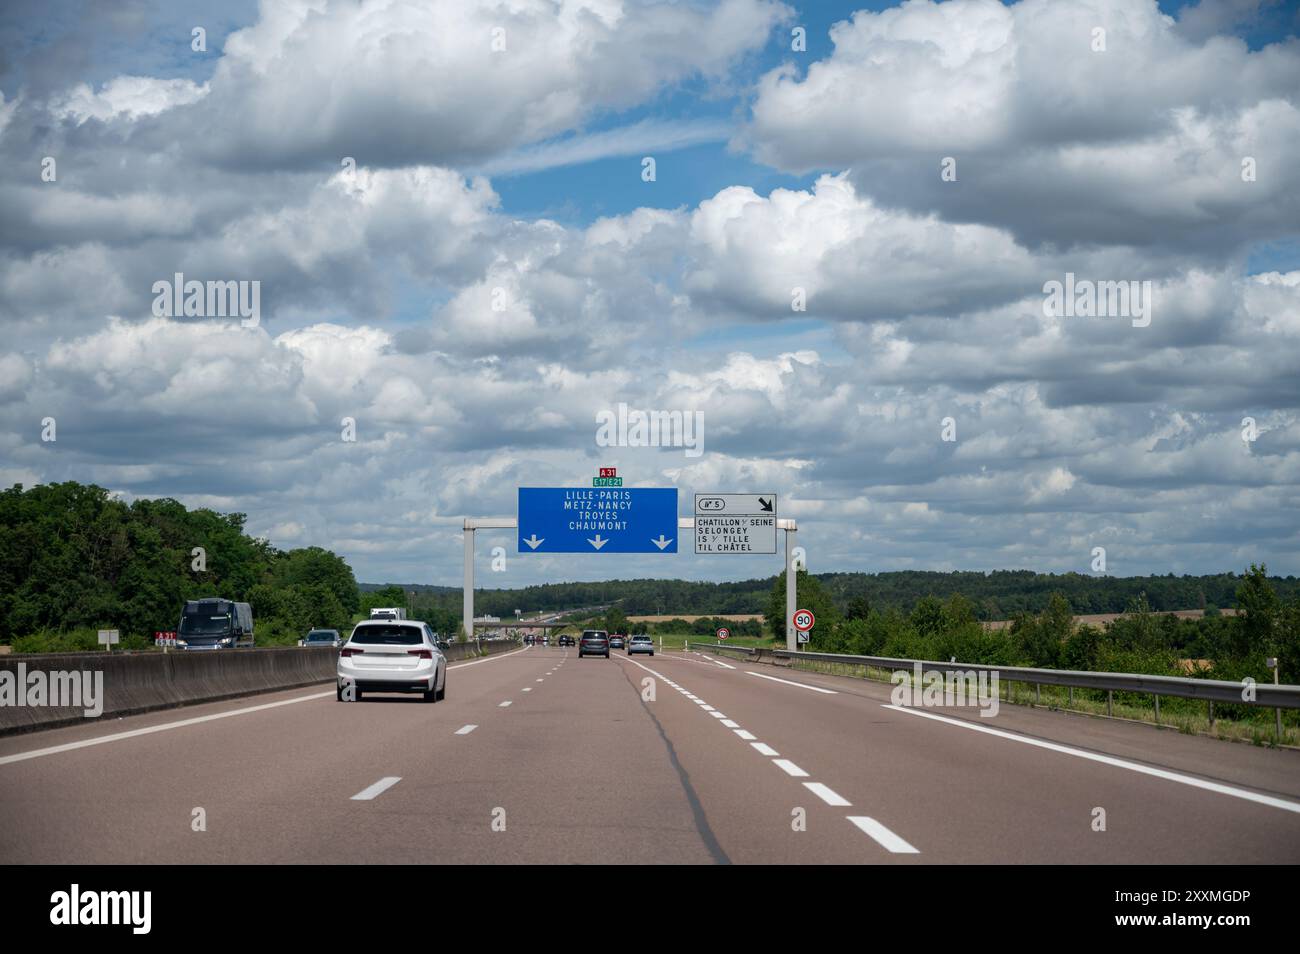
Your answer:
<point x="1259" y="613"/>
<point x="811" y="595"/>
<point x="1041" y="640"/>
<point x="314" y="566"/>
<point x="615" y="620"/>
<point x="859" y="608"/>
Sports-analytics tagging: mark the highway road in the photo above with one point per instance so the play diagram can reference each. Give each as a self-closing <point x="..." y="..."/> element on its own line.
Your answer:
<point x="538" y="756"/>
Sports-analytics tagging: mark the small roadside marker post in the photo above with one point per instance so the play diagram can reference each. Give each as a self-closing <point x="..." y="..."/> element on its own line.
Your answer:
<point x="1272" y="663"/>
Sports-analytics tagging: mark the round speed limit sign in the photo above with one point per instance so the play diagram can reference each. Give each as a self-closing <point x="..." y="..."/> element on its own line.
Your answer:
<point x="723" y="633"/>
<point x="804" y="620"/>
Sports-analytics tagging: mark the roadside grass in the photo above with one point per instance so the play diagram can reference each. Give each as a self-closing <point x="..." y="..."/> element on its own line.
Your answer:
<point x="1189" y="716"/>
<point x="678" y="640"/>
<point x="84" y="639"/>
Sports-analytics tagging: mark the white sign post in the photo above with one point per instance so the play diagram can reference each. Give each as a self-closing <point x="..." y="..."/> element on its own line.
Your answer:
<point x="107" y="637"/>
<point x="735" y="523"/>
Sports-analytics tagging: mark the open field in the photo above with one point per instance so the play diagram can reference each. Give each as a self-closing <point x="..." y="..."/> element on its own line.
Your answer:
<point x="1100" y="619"/>
<point x="692" y="618"/>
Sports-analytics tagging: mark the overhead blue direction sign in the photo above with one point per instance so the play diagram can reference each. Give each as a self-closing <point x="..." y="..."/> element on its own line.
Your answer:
<point x="597" y="520"/>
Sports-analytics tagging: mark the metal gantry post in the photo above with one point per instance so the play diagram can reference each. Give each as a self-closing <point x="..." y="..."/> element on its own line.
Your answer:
<point x="791" y="591"/>
<point x="468" y="605"/>
<point x="471" y="524"/>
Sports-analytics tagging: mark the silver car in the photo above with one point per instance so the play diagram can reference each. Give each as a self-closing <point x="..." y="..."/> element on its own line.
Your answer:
<point x="322" y="637"/>
<point x="640" y="644"/>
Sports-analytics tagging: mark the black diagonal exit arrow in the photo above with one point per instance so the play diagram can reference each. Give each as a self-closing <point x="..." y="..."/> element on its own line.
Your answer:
<point x="765" y="504"/>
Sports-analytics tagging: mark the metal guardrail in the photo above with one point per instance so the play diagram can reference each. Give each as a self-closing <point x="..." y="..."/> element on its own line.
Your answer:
<point x="1266" y="695"/>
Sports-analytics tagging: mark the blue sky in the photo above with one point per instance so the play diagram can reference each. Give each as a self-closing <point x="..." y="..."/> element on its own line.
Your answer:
<point x="924" y="299"/>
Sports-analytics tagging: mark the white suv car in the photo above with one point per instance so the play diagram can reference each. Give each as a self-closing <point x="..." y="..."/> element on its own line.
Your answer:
<point x="391" y="656"/>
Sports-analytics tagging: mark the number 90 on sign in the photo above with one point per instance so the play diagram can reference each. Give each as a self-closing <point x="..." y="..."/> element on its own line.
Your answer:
<point x="804" y="620"/>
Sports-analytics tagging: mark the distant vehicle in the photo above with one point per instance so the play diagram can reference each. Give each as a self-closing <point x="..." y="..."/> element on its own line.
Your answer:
<point x="616" y="641"/>
<point x="322" y="637"/>
<point x="215" y="623"/>
<point x="442" y="642"/>
<point x="546" y="639"/>
<point x="566" y="641"/>
<point x="392" y="656"/>
<point x="388" y="612"/>
<point x="529" y="638"/>
<point x="641" y="644"/>
<point x="594" y="642"/>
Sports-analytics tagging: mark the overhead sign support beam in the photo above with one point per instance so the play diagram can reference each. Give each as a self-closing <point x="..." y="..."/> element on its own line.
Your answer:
<point x="683" y="523"/>
<point x="790" y="527"/>
<point x="472" y="524"/>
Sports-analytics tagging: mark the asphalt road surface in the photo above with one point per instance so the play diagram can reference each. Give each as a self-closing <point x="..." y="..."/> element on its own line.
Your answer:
<point x="538" y="756"/>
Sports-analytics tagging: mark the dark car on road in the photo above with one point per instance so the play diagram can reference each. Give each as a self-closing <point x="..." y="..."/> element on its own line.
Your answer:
<point x="616" y="641"/>
<point x="566" y="641"/>
<point x="594" y="642"/>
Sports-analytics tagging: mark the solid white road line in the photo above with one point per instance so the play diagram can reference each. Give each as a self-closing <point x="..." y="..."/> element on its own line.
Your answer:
<point x="528" y="688"/>
<point x="1191" y="780"/>
<point x="764" y="749"/>
<point x="801" y="685"/>
<point x="149" y="730"/>
<point x="197" y="720"/>
<point x="503" y="704"/>
<point x="827" y="795"/>
<point x="466" y="729"/>
<point x="694" y="662"/>
<point x="366" y="794"/>
<point x="514" y="652"/>
<point x="789" y="768"/>
<point x="719" y="662"/>
<point x="887" y="838"/>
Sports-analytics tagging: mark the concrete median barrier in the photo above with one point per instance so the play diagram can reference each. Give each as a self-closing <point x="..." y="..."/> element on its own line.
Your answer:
<point x="120" y="684"/>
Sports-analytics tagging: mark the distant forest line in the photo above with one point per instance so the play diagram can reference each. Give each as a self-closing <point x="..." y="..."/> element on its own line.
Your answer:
<point x="995" y="595"/>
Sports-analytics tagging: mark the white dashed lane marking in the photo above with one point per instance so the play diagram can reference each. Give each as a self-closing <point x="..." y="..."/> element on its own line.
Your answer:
<point x="874" y="829"/>
<point x="366" y="794"/>
<point x="883" y="835"/>
<point x="789" y="768"/>
<point x="827" y="794"/>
